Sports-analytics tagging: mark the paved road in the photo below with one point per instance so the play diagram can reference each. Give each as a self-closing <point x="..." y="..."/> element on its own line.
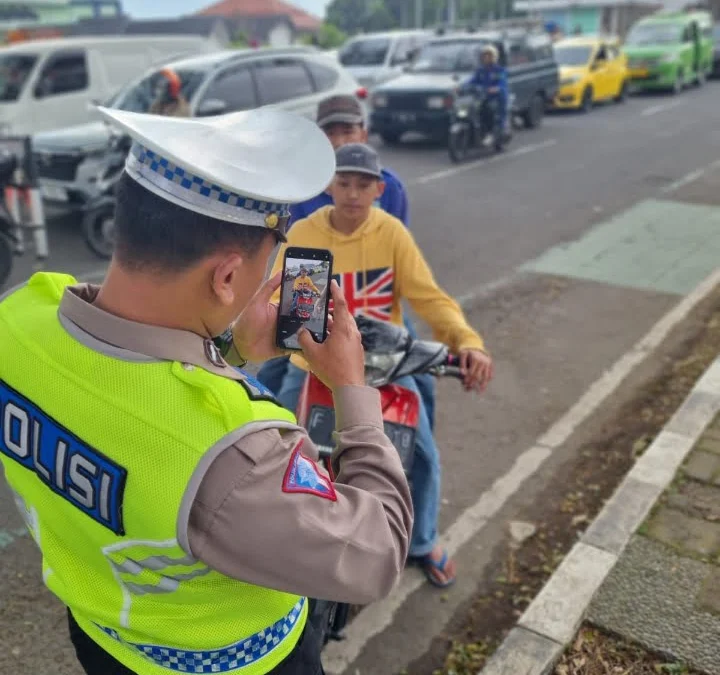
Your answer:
<point x="565" y="251"/>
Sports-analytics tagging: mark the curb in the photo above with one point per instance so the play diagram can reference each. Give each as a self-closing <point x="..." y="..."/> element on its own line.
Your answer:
<point x="551" y="621"/>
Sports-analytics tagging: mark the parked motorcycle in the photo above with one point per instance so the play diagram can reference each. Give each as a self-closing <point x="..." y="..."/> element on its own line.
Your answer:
<point x="390" y="353"/>
<point x="98" y="223"/>
<point x="8" y="228"/>
<point x="475" y="127"/>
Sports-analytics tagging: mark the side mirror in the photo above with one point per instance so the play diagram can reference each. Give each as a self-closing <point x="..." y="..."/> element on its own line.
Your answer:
<point x="211" y="107"/>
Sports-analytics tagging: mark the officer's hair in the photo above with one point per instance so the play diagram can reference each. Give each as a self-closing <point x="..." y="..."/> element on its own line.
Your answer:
<point x="154" y="235"/>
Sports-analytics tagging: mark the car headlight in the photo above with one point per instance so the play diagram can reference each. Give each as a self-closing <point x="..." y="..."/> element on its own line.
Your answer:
<point x="436" y="102"/>
<point x="574" y="79"/>
<point x="379" y="101"/>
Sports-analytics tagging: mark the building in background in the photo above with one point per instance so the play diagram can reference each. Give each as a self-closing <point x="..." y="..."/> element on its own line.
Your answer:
<point x="273" y="22"/>
<point x="590" y="16"/>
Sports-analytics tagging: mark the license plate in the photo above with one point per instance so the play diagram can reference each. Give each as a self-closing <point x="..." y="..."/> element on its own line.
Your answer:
<point x="405" y="117"/>
<point x="321" y="424"/>
<point x="53" y="193"/>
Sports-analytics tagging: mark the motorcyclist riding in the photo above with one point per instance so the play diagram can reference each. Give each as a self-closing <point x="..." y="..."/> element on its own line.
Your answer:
<point x="302" y="282"/>
<point x="491" y="77"/>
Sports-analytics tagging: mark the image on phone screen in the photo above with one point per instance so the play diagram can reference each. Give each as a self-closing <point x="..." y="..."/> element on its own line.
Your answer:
<point x="303" y="299"/>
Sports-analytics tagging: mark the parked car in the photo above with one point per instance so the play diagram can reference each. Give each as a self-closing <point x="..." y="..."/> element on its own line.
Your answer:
<point x="670" y="50"/>
<point x="422" y="99"/>
<point x="47" y="84"/>
<point x="716" y="51"/>
<point x="72" y="162"/>
<point x="592" y="69"/>
<point x="376" y="58"/>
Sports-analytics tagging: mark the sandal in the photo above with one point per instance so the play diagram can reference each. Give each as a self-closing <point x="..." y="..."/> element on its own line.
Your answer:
<point x="427" y="564"/>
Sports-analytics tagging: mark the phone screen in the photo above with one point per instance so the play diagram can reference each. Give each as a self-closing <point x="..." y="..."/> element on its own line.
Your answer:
<point x="304" y="295"/>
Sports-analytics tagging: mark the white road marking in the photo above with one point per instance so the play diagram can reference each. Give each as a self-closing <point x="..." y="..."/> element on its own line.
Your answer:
<point x="690" y="177"/>
<point x="447" y="173"/>
<point x="377" y="617"/>
<point x="661" y="107"/>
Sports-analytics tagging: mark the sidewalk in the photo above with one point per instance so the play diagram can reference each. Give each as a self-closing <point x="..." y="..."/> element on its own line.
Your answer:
<point x="664" y="591"/>
<point x="648" y="568"/>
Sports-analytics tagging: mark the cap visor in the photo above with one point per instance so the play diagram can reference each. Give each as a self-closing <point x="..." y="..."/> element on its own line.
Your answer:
<point x="359" y="169"/>
<point x="340" y="118"/>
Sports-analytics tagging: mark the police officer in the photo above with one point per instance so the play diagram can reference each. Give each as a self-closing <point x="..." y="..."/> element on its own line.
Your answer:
<point x="180" y="512"/>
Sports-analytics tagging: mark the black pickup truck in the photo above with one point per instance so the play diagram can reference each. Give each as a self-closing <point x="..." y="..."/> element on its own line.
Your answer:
<point x="422" y="99"/>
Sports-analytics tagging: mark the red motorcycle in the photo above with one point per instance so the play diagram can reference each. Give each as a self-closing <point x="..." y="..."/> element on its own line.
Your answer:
<point x="390" y="353"/>
<point x="305" y="304"/>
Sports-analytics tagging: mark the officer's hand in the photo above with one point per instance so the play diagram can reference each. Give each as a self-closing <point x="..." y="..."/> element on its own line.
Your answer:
<point x="340" y="360"/>
<point x="256" y="328"/>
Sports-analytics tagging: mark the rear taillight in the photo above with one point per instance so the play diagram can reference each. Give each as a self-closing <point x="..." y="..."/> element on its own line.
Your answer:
<point x="362" y="93"/>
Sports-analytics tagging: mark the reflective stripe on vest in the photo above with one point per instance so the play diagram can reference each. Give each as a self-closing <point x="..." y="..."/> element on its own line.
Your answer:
<point x="226" y="659"/>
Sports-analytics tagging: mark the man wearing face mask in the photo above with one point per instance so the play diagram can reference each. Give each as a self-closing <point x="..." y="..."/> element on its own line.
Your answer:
<point x="180" y="512"/>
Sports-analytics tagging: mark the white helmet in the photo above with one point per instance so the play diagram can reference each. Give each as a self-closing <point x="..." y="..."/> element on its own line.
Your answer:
<point x="492" y="50"/>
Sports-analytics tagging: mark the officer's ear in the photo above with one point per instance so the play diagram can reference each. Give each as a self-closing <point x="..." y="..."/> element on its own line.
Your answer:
<point x="225" y="277"/>
<point x="380" y="188"/>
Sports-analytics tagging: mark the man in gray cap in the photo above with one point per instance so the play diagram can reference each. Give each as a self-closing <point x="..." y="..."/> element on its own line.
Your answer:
<point x="180" y="512"/>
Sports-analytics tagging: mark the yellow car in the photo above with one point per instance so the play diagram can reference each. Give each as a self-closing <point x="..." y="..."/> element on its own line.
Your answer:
<point x="592" y="69"/>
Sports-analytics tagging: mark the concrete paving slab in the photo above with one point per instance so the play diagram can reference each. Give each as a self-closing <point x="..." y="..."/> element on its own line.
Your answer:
<point x="656" y="245"/>
<point x="558" y="610"/>
<point x="622" y="515"/>
<point x="524" y="653"/>
<point x="650" y="597"/>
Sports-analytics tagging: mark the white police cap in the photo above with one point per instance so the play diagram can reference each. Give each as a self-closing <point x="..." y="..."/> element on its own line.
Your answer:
<point x="245" y="167"/>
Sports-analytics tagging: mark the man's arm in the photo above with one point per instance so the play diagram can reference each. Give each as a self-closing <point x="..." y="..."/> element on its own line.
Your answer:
<point x="416" y="283"/>
<point x="267" y="515"/>
<point x="394" y="199"/>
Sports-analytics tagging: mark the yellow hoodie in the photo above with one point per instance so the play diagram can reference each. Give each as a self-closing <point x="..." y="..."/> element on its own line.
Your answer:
<point x="378" y="266"/>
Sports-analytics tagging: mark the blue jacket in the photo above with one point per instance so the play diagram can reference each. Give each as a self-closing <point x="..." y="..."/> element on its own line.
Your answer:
<point x="493" y="76"/>
<point x="394" y="201"/>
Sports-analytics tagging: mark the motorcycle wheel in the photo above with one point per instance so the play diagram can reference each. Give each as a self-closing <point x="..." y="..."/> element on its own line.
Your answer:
<point x="6" y="260"/>
<point x="99" y="231"/>
<point x="459" y="144"/>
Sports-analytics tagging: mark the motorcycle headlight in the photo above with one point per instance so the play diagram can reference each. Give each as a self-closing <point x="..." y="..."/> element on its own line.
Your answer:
<point x="379" y="101"/>
<point x="379" y="368"/>
<point x="462" y="112"/>
<point x="436" y="102"/>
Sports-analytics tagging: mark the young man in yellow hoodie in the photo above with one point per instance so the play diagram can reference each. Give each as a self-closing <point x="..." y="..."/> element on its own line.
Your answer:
<point x="378" y="264"/>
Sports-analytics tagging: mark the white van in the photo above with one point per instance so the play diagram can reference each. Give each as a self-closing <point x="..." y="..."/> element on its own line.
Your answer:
<point x="375" y="58"/>
<point x="48" y="84"/>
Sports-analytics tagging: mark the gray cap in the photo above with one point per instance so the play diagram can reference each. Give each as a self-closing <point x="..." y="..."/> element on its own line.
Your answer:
<point x="358" y="158"/>
<point x="340" y="110"/>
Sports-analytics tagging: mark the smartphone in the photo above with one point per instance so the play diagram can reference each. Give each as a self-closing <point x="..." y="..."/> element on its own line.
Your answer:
<point x="304" y="295"/>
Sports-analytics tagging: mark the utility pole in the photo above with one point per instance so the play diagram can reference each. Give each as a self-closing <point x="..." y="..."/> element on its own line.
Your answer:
<point x="452" y="13"/>
<point x="419" y="9"/>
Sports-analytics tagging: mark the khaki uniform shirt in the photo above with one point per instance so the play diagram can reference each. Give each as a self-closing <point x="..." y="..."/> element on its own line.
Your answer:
<point x="238" y="520"/>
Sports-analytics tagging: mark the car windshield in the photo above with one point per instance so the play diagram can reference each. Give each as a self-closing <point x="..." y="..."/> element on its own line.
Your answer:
<point x="653" y="34"/>
<point x="140" y="96"/>
<point x="365" y="52"/>
<point x="448" y="57"/>
<point x="15" y="70"/>
<point x="572" y="55"/>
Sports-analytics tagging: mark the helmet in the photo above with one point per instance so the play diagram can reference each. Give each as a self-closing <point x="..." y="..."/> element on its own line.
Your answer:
<point x="490" y="49"/>
<point x="174" y="84"/>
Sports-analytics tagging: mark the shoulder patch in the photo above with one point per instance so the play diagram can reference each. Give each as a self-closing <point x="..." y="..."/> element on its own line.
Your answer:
<point x="303" y="476"/>
<point x="255" y="389"/>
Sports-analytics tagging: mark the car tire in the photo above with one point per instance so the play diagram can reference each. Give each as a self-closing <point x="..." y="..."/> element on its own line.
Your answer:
<point x="99" y="230"/>
<point x="624" y="92"/>
<point x="533" y="116"/>
<point x="586" y="105"/>
<point x="679" y="83"/>
<point x="390" y="138"/>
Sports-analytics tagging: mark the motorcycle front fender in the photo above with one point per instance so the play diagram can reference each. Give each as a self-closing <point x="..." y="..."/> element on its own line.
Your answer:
<point x="458" y="127"/>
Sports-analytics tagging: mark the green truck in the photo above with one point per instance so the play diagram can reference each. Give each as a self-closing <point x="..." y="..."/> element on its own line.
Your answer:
<point x="670" y="50"/>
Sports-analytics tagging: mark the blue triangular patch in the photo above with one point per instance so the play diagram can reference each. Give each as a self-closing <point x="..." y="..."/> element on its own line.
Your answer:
<point x="303" y="476"/>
